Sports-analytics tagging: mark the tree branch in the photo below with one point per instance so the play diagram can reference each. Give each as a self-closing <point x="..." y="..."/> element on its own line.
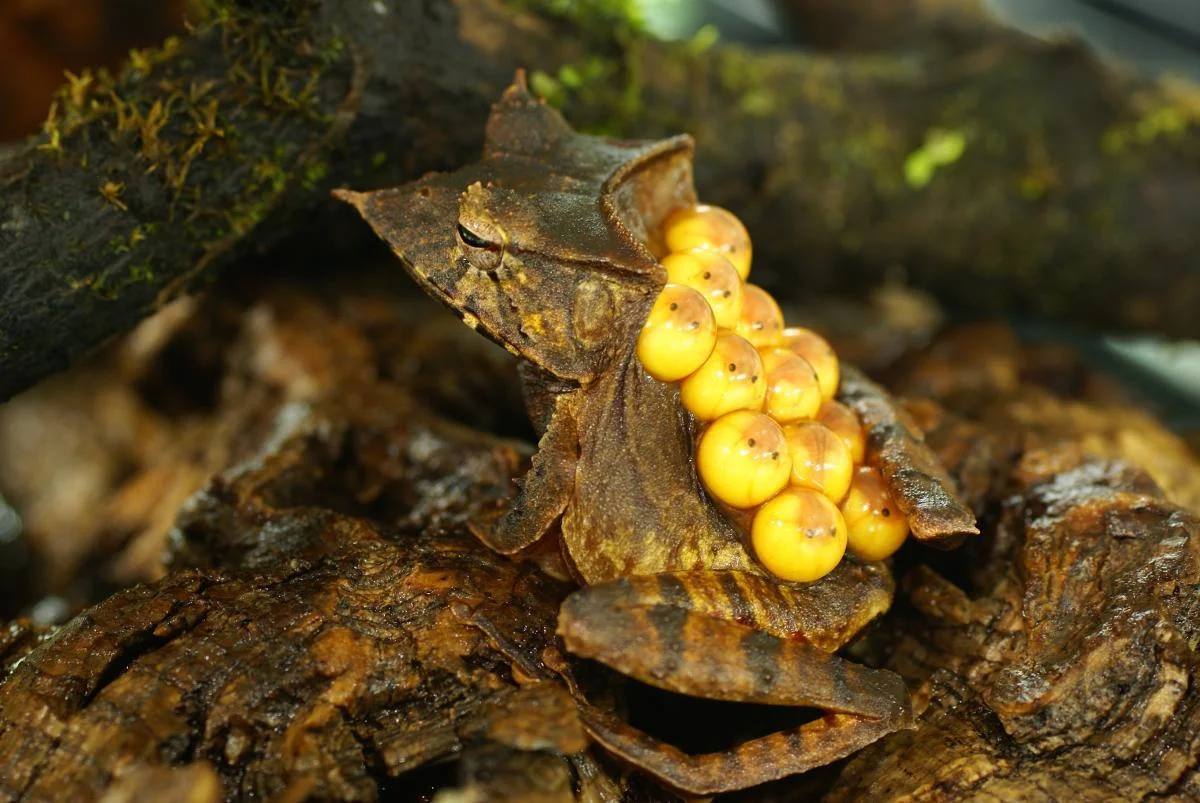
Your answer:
<point x="1000" y="172"/>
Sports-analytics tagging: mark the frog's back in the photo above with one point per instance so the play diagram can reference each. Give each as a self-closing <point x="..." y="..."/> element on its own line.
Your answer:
<point x="638" y="507"/>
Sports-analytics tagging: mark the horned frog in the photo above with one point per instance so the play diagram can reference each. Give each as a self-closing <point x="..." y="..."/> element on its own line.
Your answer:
<point x="546" y="246"/>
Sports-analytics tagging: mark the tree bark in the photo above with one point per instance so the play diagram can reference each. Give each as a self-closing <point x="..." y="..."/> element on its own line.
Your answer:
<point x="879" y="24"/>
<point x="965" y="169"/>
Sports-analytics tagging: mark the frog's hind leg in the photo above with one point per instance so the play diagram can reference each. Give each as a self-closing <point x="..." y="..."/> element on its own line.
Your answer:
<point x="754" y="762"/>
<point x="709" y="635"/>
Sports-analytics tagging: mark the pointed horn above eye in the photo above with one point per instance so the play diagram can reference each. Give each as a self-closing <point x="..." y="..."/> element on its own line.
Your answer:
<point x="521" y="123"/>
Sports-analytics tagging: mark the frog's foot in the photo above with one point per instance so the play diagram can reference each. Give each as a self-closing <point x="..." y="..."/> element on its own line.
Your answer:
<point x="670" y="632"/>
<point x="754" y="762"/>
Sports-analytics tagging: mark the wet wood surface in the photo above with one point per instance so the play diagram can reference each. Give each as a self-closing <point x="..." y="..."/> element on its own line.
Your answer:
<point x="326" y="628"/>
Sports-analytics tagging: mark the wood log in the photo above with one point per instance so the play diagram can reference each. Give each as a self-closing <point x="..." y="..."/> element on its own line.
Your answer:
<point x="965" y="169"/>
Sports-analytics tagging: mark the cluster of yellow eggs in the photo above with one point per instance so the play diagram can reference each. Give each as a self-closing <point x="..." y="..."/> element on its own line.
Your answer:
<point x="773" y="440"/>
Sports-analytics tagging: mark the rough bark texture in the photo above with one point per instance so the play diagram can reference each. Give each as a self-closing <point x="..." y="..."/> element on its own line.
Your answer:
<point x="328" y="630"/>
<point x="99" y="461"/>
<point x="877" y="24"/>
<point x="1073" y="675"/>
<point x="986" y="182"/>
<point x="1060" y="661"/>
<point x="298" y="650"/>
<point x="340" y="659"/>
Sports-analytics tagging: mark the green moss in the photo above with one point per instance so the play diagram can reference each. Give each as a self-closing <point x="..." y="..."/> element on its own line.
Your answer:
<point x="611" y="32"/>
<point x="703" y="41"/>
<point x="593" y="17"/>
<point x="595" y="83"/>
<point x="313" y="175"/>
<point x="1155" y="124"/>
<point x="183" y="123"/>
<point x="548" y="88"/>
<point x="941" y="148"/>
<point x="759" y="102"/>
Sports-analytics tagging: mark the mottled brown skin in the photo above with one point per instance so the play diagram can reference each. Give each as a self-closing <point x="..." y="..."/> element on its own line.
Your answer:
<point x="547" y="247"/>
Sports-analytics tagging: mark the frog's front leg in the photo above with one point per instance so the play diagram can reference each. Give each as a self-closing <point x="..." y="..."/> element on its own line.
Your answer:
<point x="544" y="490"/>
<point x="732" y="636"/>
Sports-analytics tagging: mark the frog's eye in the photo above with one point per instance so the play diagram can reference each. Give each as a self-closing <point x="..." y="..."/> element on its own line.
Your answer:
<point x="471" y="238"/>
<point x="483" y="245"/>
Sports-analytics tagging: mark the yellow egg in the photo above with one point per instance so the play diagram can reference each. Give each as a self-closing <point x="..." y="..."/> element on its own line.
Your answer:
<point x="713" y="276"/>
<point x="761" y="321"/>
<point x="793" y="392"/>
<point x="799" y="535"/>
<point x="820" y="355"/>
<point x="709" y="227"/>
<point x="678" y="335"/>
<point x="742" y="458"/>
<point x="845" y="424"/>
<point x="730" y="379"/>
<point x="875" y="525"/>
<point x="820" y="459"/>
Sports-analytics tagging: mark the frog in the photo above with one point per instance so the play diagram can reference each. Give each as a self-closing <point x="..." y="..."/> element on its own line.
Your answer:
<point x="547" y="245"/>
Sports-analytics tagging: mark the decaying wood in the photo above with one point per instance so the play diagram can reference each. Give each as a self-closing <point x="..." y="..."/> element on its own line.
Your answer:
<point x="882" y="24"/>
<point x="983" y="399"/>
<point x="843" y="168"/>
<point x="1070" y="675"/>
<point x="296" y="650"/>
<point x="1058" y="662"/>
<point x="329" y="629"/>
<point x="98" y="461"/>
<point x="342" y="659"/>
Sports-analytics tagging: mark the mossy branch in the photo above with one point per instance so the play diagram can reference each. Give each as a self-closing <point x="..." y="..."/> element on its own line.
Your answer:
<point x="1003" y="174"/>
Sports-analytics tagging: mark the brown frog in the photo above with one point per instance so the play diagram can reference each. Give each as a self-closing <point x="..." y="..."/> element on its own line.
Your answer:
<point x="547" y="246"/>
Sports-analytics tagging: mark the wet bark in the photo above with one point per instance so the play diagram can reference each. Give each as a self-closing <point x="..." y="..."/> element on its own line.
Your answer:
<point x="328" y="628"/>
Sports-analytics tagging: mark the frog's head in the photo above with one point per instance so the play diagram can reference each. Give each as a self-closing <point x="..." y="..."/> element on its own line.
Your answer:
<point x="543" y="245"/>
